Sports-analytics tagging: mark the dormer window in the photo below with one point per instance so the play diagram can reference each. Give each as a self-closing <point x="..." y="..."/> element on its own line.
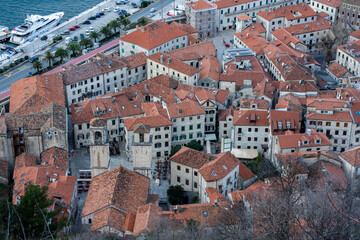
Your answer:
<point x="288" y="125"/>
<point x="305" y="142"/>
<point x="318" y="141"/>
<point x="280" y="126"/>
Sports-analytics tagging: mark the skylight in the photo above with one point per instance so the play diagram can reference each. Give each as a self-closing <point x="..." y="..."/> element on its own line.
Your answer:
<point x="214" y="173"/>
<point x="123" y="108"/>
<point x="205" y="214"/>
<point x="135" y="106"/>
<point x="224" y="167"/>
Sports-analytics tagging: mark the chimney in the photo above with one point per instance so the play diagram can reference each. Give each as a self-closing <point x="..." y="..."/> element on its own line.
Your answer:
<point x="284" y="37"/>
<point x="169" y="61"/>
<point x="161" y="58"/>
<point x="116" y="89"/>
<point x="142" y="29"/>
<point x="175" y="209"/>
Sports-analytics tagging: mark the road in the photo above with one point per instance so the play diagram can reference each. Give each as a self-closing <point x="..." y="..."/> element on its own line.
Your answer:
<point x="18" y="73"/>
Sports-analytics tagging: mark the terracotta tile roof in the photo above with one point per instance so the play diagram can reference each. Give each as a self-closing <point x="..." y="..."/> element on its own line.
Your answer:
<point x="239" y="64"/>
<point x="322" y="173"/>
<point x="62" y="189"/>
<point x="185" y="27"/>
<point x="218" y="168"/>
<point x="147" y="217"/>
<point x="152" y="121"/>
<point x="277" y="116"/>
<point x="175" y="64"/>
<point x="266" y="88"/>
<point x="108" y="107"/>
<point x="298" y="86"/>
<point x="355" y="34"/>
<point x="206" y="214"/>
<point x="210" y="68"/>
<point x="256" y="27"/>
<point x="223" y="113"/>
<point x="291" y="12"/>
<point x="289" y="69"/>
<point x="253" y="40"/>
<point x="184" y="109"/>
<point x="98" y="66"/>
<point x="55" y="157"/>
<point x="119" y="187"/>
<point x="355" y="112"/>
<point x="336" y="116"/>
<point x="193" y="40"/>
<point x="230" y="3"/>
<point x="290" y="102"/>
<point x="109" y="217"/>
<point x="52" y="169"/>
<point x="352" y="156"/>
<point x="214" y="195"/>
<point x="352" y="49"/>
<point x="129" y="222"/>
<point x="4" y="169"/>
<point x="337" y="70"/>
<point x="244" y="17"/>
<point x="319" y="25"/>
<point x="292" y="140"/>
<point x="283" y="35"/>
<point x="332" y="3"/>
<point x="246" y="103"/>
<point x="199" y="5"/>
<point x="251" y="118"/>
<point x="31" y="94"/>
<point x="202" y="96"/>
<point x="239" y="76"/>
<point x="252" y="191"/>
<point x="135" y="60"/>
<point x="244" y="172"/>
<point x="190" y="157"/>
<point x="326" y="103"/>
<point x="153" y="34"/>
<point x="349" y="94"/>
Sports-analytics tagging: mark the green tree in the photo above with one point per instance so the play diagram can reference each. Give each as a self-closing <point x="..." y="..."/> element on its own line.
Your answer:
<point x="49" y="57"/>
<point x="175" y="150"/>
<point x="105" y="30"/>
<point x="94" y="35"/>
<point x="37" y="65"/>
<point x="114" y="25"/>
<point x="74" y="47"/>
<point x="144" y="4"/>
<point x="175" y="194"/>
<point x="194" y="145"/>
<point x="125" y="22"/>
<point x="61" y="53"/>
<point x="34" y="217"/>
<point x="85" y="43"/>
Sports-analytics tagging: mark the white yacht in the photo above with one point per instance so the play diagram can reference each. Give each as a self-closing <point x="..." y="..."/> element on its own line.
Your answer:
<point x="4" y="34"/>
<point x="34" y="26"/>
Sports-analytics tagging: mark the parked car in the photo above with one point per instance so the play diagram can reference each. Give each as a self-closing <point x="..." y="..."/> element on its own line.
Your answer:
<point x="98" y="15"/>
<point x="152" y="10"/>
<point x="124" y="12"/>
<point x="121" y="2"/>
<point x="134" y="5"/>
<point x="34" y="58"/>
<point x="91" y="29"/>
<point x="72" y="29"/>
<point x="121" y="14"/>
<point x="101" y="13"/>
<point x="82" y="36"/>
<point x="43" y="38"/>
<point x="68" y="40"/>
<point x="106" y="10"/>
<point x="75" y="38"/>
<point x="66" y="32"/>
<point x="76" y="26"/>
<point x="151" y="15"/>
<point x="92" y="18"/>
<point x="117" y="9"/>
<point x="86" y="22"/>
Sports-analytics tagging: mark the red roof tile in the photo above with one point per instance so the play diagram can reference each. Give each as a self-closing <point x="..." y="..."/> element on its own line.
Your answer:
<point x="185" y="27"/>
<point x="184" y="109"/>
<point x="293" y="140"/>
<point x="245" y="173"/>
<point x="154" y="34"/>
<point x="218" y="168"/>
<point x="230" y="3"/>
<point x="251" y="118"/>
<point x="321" y="24"/>
<point x="210" y="68"/>
<point x="355" y="34"/>
<point x="253" y="40"/>
<point x="152" y="121"/>
<point x="337" y="70"/>
<point x="352" y="156"/>
<point x="190" y="157"/>
<point x="290" y="12"/>
<point x="147" y="217"/>
<point x="277" y="116"/>
<point x="199" y="5"/>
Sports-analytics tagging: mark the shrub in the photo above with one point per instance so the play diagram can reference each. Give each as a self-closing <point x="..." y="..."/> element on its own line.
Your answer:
<point x="12" y="64"/>
<point x="195" y="199"/>
<point x="22" y="59"/>
<point x="26" y="57"/>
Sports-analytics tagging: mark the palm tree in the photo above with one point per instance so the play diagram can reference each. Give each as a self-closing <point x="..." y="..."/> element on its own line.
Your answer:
<point x="61" y="53"/>
<point x="74" y="47"/>
<point x="94" y="35"/>
<point x="37" y="64"/>
<point x="125" y="22"/>
<point x="49" y="57"/>
<point x="114" y="24"/>
<point x="85" y="43"/>
<point x="105" y="30"/>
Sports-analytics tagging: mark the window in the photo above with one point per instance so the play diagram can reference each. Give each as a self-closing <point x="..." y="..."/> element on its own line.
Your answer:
<point x="345" y="124"/>
<point x="328" y="124"/>
<point x="79" y="127"/>
<point x="178" y="179"/>
<point x="199" y="126"/>
<point x="157" y="129"/>
<point x="178" y="168"/>
<point x="187" y="181"/>
<point x="344" y="133"/>
<point x="195" y="185"/>
<point x="338" y="124"/>
<point x="336" y="132"/>
<point x="186" y="170"/>
<point x="195" y="173"/>
<point x="113" y="122"/>
<point x="158" y="154"/>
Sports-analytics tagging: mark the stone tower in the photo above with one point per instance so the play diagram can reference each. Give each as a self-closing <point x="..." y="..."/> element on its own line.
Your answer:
<point x="99" y="147"/>
<point x="142" y="149"/>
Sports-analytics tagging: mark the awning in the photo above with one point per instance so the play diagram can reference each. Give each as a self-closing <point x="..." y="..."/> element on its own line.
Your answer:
<point x="248" y="154"/>
<point x="210" y="137"/>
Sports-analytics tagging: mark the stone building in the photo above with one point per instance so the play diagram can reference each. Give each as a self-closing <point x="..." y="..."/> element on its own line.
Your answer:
<point x="349" y="13"/>
<point x="142" y="150"/>
<point x="331" y="7"/>
<point x="348" y="55"/>
<point x="36" y="120"/>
